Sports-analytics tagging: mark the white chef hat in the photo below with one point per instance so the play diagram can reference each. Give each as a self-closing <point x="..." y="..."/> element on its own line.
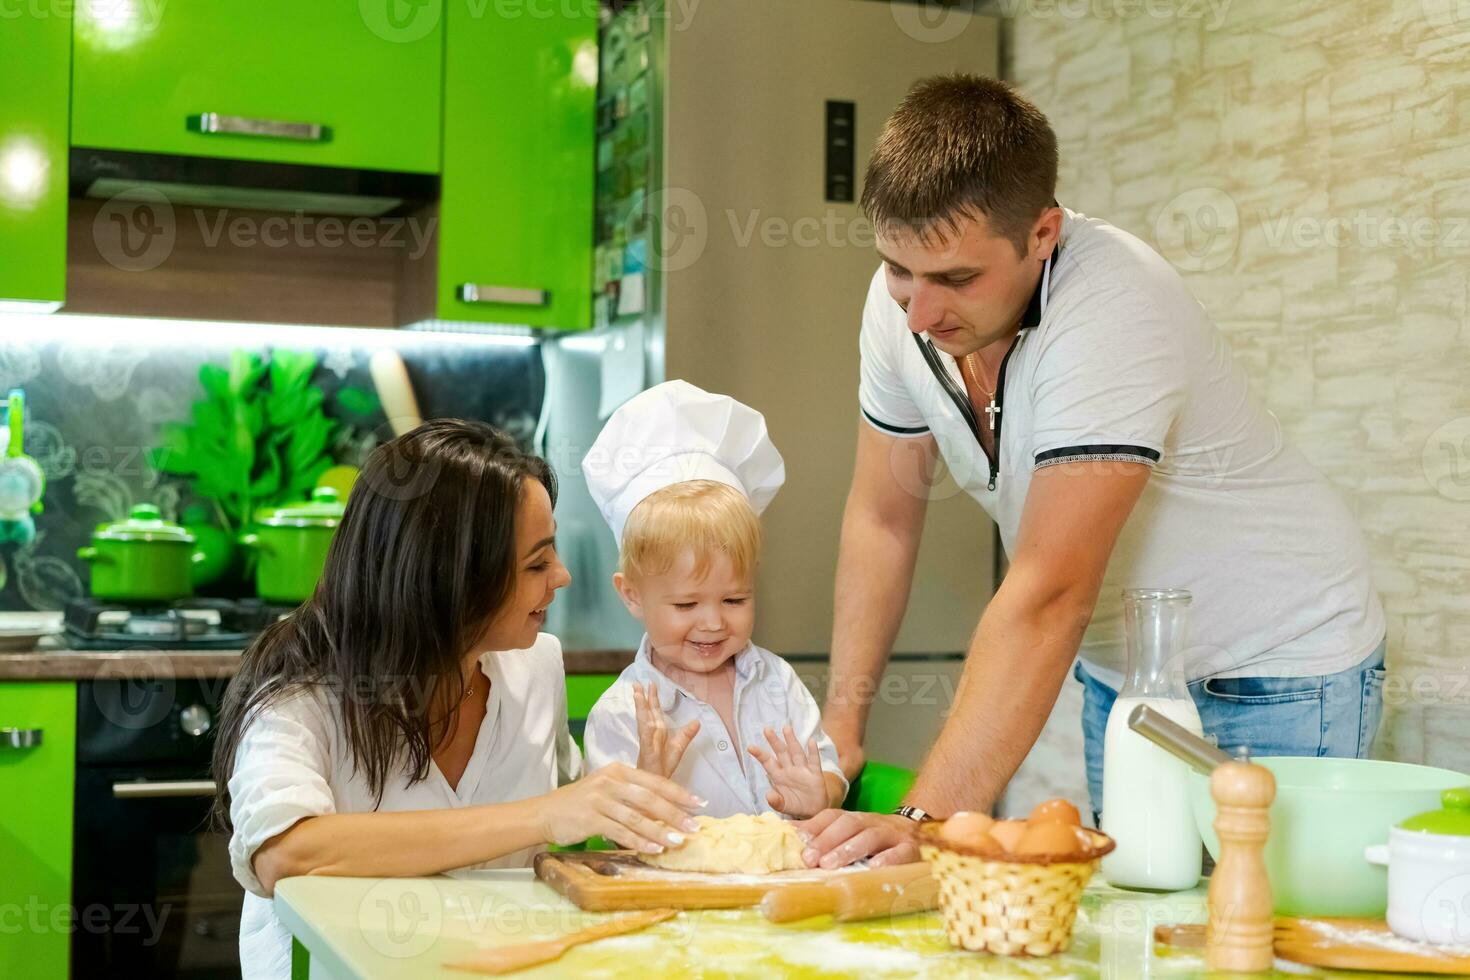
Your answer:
<point x="673" y="433"/>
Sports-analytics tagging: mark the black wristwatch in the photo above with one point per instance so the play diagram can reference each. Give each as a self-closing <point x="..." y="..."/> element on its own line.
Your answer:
<point x="913" y="813"/>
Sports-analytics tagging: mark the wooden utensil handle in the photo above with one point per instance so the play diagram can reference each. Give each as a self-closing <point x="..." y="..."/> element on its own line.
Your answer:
<point x="1189" y="936"/>
<point x="800" y="901"/>
<point x="618" y="926"/>
<point x="505" y="959"/>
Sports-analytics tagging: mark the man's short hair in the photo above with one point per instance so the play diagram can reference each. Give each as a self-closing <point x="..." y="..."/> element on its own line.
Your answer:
<point x="962" y="146"/>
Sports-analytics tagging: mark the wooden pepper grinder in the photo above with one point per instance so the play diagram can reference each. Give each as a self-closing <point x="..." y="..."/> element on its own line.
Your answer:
<point x="1241" y="929"/>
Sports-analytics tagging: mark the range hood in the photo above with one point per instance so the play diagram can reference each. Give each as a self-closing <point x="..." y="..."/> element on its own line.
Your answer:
<point x="216" y="182"/>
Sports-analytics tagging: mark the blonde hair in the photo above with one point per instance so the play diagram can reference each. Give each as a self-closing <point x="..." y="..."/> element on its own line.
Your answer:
<point x="701" y="516"/>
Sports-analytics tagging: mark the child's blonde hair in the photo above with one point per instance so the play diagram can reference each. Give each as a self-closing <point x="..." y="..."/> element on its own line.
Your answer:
<point x="701" y="516"/>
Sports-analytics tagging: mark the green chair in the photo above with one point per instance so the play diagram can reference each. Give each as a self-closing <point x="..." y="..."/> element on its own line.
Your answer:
<point x="879" y="788"/>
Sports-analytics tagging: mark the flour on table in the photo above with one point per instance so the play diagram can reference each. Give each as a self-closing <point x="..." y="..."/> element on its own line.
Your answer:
<point x="1373" y="939"/>
<point x="761" y="844"/>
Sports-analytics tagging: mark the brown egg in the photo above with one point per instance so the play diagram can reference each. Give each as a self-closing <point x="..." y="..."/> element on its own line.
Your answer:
<point x="1056" y="811"/>
<point x="1048" y="839"/>
<point x="966" y="828"/>
<point x="1008" y="833"/>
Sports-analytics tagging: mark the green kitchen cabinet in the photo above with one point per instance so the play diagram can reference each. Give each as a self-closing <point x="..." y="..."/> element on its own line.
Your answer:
<point x="515" y="222"/>
<point x="35" y="85"/>
<point x="36" y="826"/>
<point x="338" y="83"/>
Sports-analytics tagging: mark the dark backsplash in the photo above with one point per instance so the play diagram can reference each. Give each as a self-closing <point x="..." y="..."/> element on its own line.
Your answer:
<point x="96" y="398"/>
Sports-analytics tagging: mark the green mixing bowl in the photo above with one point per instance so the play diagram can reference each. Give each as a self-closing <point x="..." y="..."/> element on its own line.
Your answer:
<point x="1326" y="811"/>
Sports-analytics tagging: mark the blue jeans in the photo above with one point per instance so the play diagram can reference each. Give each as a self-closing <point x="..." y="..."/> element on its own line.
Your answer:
<point x="1328" y="714"/>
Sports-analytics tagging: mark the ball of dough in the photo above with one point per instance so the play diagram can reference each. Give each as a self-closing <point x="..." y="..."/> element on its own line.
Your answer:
<point x="740" y="844"/>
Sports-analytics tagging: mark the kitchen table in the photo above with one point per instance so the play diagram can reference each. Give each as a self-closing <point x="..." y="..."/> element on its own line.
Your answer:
<point x="389" y="928"/>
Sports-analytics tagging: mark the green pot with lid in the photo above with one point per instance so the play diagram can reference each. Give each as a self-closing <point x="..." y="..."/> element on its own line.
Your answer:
<point x="141" y="559"/>
<point x="290" y="545"/>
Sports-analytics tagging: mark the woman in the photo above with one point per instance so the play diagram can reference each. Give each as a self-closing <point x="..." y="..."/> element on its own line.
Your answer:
<point x="410" y="718"/>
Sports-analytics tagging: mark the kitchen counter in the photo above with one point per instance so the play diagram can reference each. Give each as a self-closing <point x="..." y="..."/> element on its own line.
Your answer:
<point x="386" y="928"/>
<point x="53" y="661"/>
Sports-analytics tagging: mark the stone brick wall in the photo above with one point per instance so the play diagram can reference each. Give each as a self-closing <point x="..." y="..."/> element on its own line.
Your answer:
<point x="1306" y="166"/>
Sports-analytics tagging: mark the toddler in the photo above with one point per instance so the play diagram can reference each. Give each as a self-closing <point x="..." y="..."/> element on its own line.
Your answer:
<point x="681" y="476"/>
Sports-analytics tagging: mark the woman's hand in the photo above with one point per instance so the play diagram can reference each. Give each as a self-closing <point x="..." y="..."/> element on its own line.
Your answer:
<point x="659" y="749"/>
<point x="634" y="809"/>
<point x="798" y="786"/>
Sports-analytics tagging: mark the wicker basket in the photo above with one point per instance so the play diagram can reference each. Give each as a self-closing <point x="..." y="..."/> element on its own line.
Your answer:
<point x="1005" y="904"/>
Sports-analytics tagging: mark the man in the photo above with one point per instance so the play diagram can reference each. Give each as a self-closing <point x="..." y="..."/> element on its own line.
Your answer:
<point x="1085" y="399"/>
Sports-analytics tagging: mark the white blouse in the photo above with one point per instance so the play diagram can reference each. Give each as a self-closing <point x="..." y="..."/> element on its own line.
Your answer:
<point x="715" y="766"/>
<point x="293" y="763"/>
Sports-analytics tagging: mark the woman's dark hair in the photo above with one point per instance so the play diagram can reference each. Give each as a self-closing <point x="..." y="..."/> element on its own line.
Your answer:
<point x="423" y="560"/>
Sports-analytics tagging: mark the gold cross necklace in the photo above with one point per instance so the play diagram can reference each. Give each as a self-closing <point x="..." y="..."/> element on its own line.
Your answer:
<point x="992" y="409"/>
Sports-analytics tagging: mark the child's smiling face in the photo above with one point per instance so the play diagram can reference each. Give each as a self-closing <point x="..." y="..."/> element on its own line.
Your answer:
<point x="694" y="623"/>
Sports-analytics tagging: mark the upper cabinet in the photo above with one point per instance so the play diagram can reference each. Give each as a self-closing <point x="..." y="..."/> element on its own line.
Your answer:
<point x="515" y="225"/>
<point x="336" y="83"/>
<point x="34" y="84"/>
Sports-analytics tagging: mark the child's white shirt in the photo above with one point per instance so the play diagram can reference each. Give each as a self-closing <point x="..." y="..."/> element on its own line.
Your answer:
<point x="768" y="694"/>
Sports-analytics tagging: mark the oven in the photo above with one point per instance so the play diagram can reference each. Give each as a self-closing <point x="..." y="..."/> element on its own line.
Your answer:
<point x="151" y="880"/>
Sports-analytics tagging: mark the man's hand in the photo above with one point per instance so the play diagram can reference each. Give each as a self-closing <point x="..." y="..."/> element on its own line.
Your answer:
<point x="798" y="787"/>
<point x="659" y="749"/>
<point x="839" y="837"/>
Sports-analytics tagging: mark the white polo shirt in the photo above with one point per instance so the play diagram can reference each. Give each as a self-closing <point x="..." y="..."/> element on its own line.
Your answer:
<point x="1117" y="361"/>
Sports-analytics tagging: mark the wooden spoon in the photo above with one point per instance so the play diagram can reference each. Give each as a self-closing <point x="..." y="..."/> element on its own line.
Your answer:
<point x="506" y="959"/>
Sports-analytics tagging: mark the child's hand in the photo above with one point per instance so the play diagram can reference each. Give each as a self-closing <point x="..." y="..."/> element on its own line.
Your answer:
<point x="798" y="788"/>
<point x="659" y="750"/>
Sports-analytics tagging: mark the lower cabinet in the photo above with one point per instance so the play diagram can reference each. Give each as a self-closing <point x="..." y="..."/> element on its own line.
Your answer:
<point x="37" y="769"/>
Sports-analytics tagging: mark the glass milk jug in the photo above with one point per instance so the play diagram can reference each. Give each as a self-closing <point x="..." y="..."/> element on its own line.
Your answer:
<point x="1145" y="806"/>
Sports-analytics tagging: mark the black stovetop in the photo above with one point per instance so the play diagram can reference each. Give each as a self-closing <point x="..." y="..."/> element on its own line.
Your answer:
<point x="193" y="624"/>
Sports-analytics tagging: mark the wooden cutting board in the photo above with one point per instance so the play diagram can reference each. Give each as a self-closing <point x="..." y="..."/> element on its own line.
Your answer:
<point x="1343" y="944"/>
<point x="610" y="881"/>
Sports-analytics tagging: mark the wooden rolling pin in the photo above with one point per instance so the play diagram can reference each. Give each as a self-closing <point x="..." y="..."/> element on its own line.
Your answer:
<point x="896" y="890"/>
<point x="505" y="959"/>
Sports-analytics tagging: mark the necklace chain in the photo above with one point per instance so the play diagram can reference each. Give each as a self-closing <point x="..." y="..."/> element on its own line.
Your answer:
<point x="975" y="374"/>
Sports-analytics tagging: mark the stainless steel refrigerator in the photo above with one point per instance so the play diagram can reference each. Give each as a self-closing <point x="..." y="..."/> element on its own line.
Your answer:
<point x="732" y="136"/>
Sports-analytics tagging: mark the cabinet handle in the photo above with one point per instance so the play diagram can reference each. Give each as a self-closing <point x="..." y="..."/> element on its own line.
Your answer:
<point x="145" y="791"/>
<point x="470" y="292"/>
<point x="20" y="738"/>
<point x="211" y="123"/>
